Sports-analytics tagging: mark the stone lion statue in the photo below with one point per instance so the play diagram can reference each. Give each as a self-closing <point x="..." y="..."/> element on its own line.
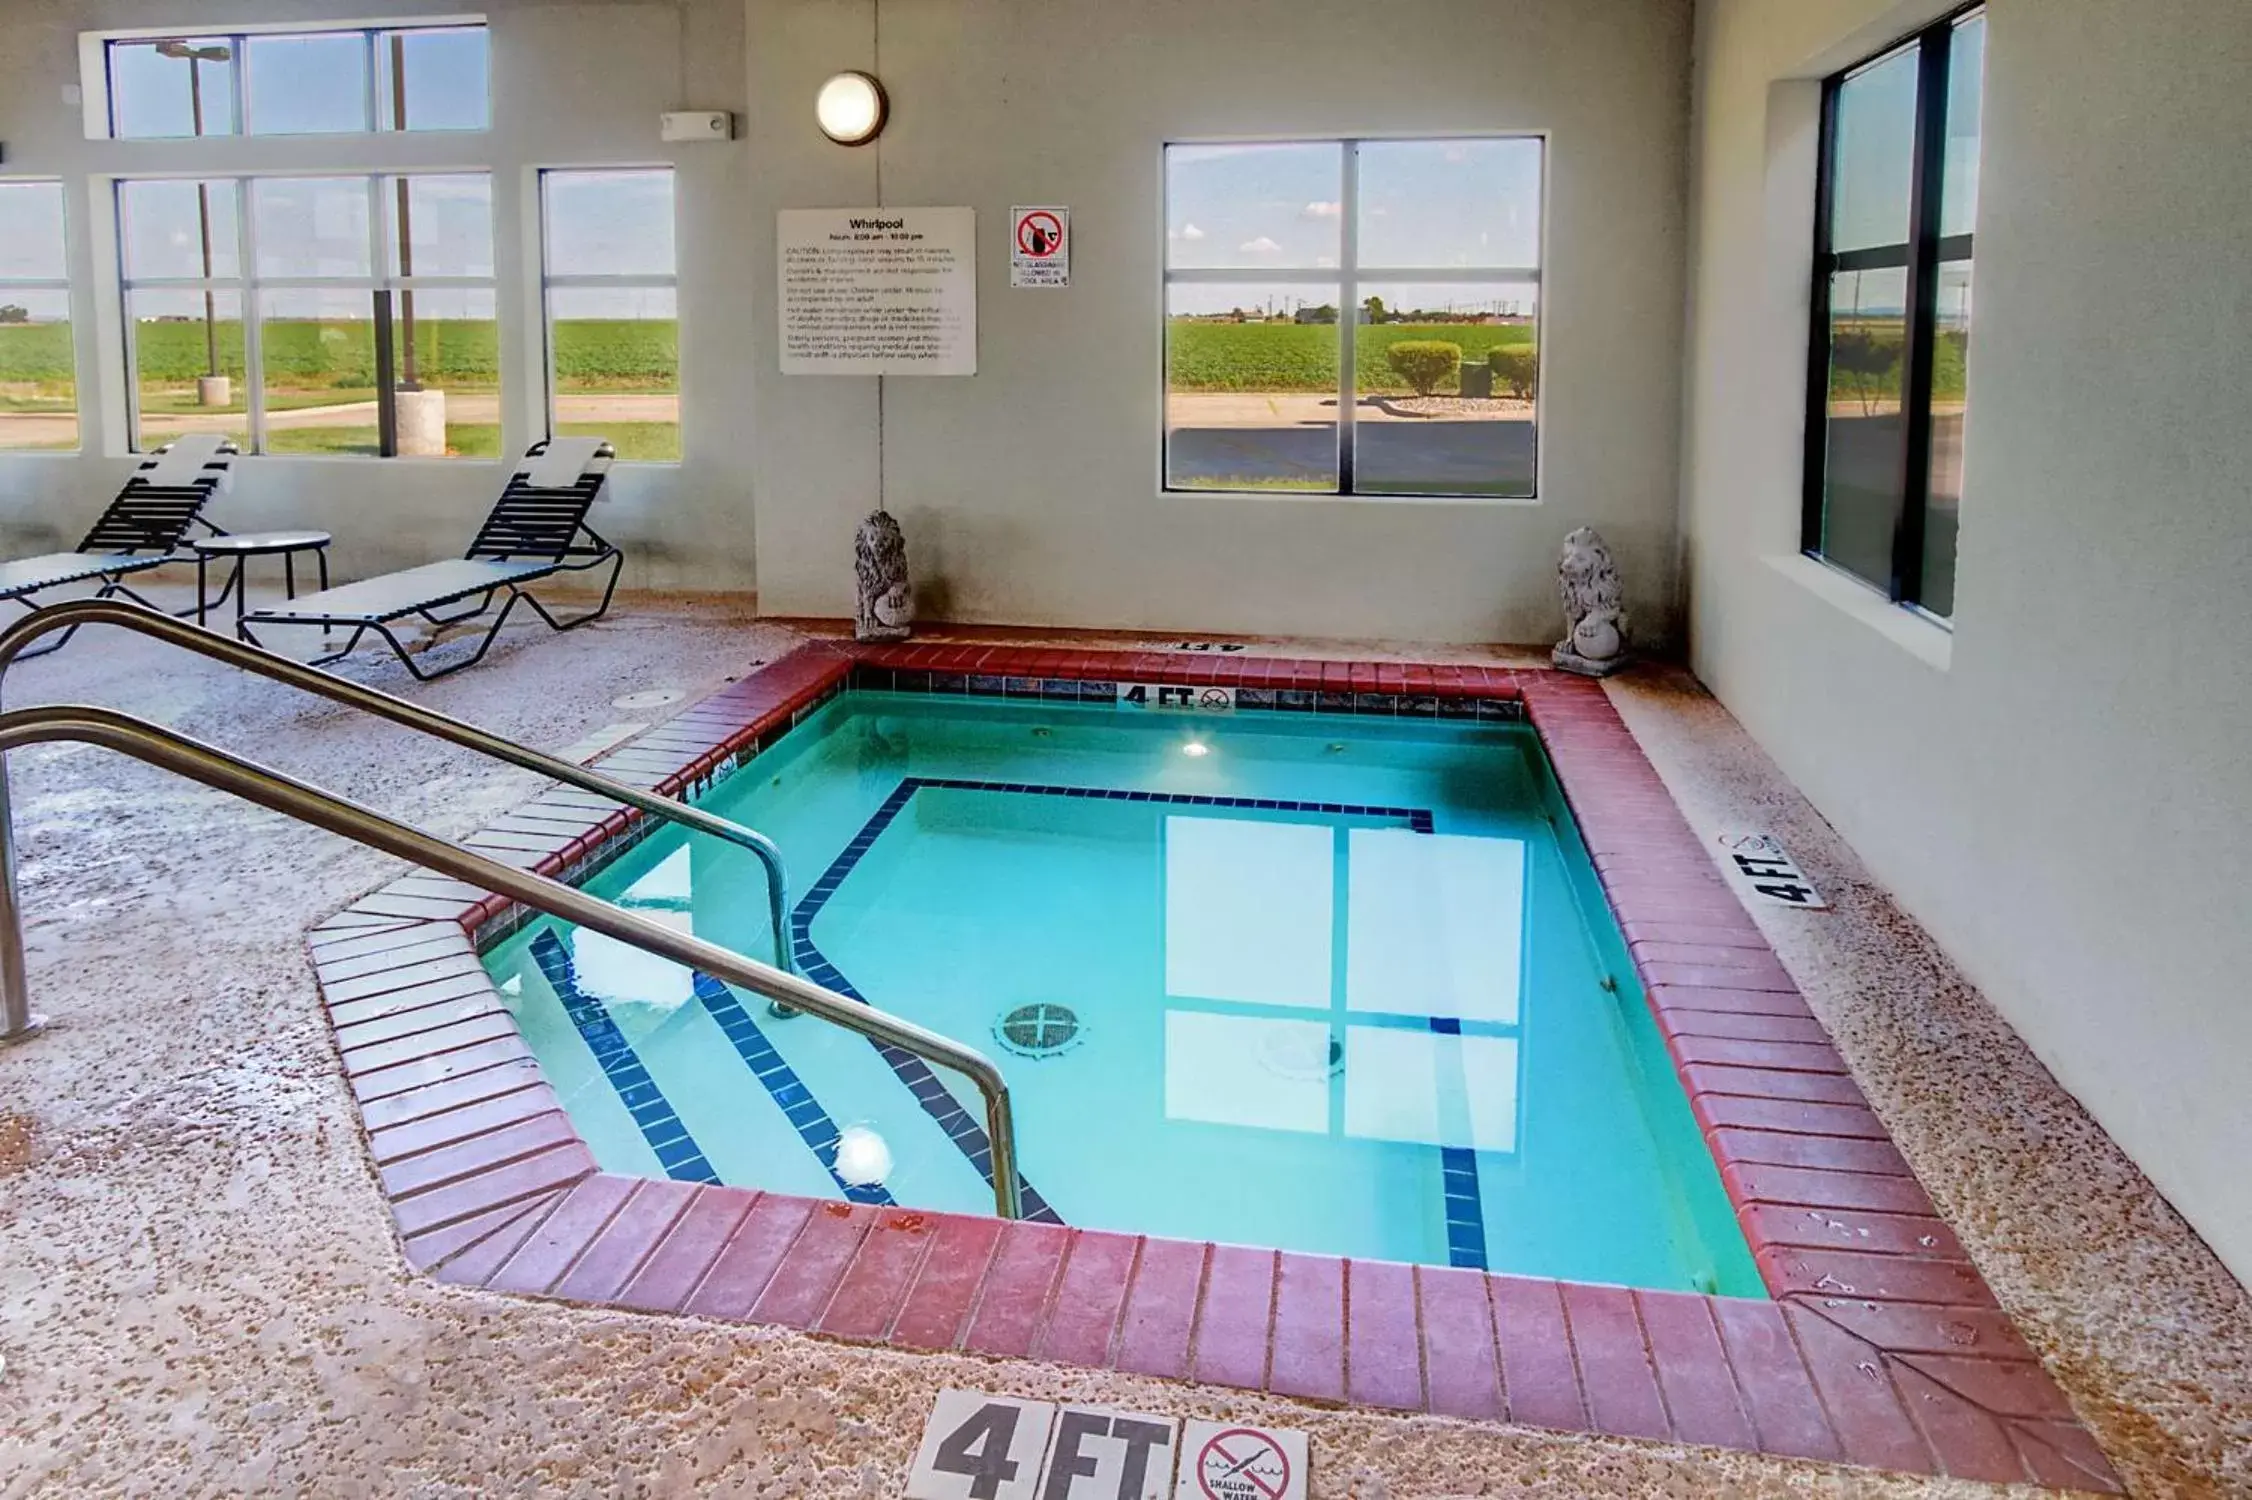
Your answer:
<point x="887" y="596"/>
<point x="1595" y="623"/>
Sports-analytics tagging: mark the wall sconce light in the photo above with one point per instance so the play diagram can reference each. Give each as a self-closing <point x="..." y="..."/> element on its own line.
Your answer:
<point x="851" y="108"/>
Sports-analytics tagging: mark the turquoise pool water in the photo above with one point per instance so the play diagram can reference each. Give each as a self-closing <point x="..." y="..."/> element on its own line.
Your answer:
<point x="1331" y="984"/>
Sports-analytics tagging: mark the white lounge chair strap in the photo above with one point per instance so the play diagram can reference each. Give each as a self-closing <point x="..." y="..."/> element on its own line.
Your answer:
<point x="186" y="459"/>
<point x="564" y="461"/>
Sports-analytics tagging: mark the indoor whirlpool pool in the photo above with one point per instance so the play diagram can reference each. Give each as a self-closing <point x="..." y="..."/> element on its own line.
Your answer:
<point x="1325" y="983"/>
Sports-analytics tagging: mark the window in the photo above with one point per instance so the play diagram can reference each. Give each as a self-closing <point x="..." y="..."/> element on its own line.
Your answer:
<point x="268" y="82"/>
<point x="1353" y="317"/>
<point x="613" y="323"/>
<point x="1886" y="387"/>
<point x="314" y="315"/>
<point x="38" y="370"/>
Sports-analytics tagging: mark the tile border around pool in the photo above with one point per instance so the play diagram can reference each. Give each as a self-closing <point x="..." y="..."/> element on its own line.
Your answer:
<point x="1883" y="1346"/>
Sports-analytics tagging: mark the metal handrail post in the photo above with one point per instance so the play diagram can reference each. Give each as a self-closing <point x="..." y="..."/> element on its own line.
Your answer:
<point x="17" y="1020"/>
<point x="277" y="792"/>
<point x="149" y="622"/>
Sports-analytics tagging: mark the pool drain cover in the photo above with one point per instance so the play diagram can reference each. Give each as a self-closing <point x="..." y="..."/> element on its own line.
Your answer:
<point x="1041" y="1030"/>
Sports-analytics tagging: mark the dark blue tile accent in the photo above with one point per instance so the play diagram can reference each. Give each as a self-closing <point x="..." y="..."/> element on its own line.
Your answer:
<point x="812" y="1122"/>
<point x="676" y="1150"/>
<point x="1458" y="1177"/>
<point x="1466" y="1225"/>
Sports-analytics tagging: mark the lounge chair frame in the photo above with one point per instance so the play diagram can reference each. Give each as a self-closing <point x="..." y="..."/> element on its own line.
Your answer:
<point x="142" y="528"/>
<point x="533" y="533"/>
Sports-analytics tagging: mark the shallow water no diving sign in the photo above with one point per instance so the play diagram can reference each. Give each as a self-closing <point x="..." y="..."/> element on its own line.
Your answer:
<point x="1759" y="863"/>
<point x="981" y="1447"/>
<point x="1220" y="1462"/>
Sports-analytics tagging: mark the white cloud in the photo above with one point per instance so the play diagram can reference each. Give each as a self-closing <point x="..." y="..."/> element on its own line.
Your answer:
<point x="1260" y="246"/>
<point x="1321" y="210"/>
<point x="1191" y="232"/>
<point x="1326" y="262"/>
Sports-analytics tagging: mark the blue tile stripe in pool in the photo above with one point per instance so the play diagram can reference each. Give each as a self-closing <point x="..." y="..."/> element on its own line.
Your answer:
<point x="1458" y="1180"/>
<point x="937" y="1101"/>
<point x="805" y="1113"/>
<point x="1416" y="818"/>
<point x="677" y="1151"/>
<point x="1458" y="1165"/>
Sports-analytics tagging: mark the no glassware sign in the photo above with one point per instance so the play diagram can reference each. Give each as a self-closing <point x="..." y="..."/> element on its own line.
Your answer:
<point x="1040" y="246"/>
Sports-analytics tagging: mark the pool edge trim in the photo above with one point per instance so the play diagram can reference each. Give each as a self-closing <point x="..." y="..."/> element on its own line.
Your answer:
<point x="1883" y="1346"/>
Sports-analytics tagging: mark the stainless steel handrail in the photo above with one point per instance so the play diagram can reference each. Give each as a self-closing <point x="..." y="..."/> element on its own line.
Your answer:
<point x="264" y="663"/>
<point x="273" y="790"/>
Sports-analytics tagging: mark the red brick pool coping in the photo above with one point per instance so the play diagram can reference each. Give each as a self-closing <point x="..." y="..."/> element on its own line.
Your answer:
<point x="1882" y="1347"/>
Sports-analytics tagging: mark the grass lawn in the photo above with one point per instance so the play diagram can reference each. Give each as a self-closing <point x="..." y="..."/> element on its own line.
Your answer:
<point x="636" y="442"/>
<point x="1303" y="356"/>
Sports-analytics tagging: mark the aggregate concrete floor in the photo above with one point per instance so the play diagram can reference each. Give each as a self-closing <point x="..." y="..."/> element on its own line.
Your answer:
<point x="200" y="1292"/>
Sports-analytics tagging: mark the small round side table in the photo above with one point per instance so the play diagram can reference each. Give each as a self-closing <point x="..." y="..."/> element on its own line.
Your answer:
<point x="243" y="547"/>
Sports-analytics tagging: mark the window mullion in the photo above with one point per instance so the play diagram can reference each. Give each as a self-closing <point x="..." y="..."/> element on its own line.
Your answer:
<point x="1926" y="183"/>
<point x="1348" y="309"/>
<point x="239" y="94"/>
<point x="253" y="318"/>
<point x="370" y="117"/>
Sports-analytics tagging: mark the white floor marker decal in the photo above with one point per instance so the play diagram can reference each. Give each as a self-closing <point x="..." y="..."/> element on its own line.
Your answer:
<point x="1759" y="863"/>
<point x="982" y="1447"/>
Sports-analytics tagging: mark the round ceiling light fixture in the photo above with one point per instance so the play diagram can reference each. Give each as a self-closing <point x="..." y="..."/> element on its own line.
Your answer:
<point x="851" y="108"/>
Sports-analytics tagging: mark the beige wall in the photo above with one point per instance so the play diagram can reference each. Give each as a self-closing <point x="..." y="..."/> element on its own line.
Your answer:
<point x="1030" y="492"/>
<point x="573" y="85"/>
<point x="2062" y="792"/>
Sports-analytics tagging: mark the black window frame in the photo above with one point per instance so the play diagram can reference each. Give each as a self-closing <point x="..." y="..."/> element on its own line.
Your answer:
<point x="1920" y="255"/>
<point x="1348" y="277"/>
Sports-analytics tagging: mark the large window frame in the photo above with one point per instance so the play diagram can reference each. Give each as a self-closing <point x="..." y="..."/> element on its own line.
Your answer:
<point x="383" y="286"/>
<point x="551" y="282"/>
<point x="380" y="40"/>
<point x="1920" y="256"/>
<point x="1348" y="276"/>
<point x="52" y="286"/>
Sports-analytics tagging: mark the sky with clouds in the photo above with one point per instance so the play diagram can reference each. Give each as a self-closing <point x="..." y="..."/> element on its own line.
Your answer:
<point x="1453" y="204"/>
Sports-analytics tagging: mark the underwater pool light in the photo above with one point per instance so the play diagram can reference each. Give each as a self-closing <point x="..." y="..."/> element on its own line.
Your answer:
<point x="1196" y="748"/>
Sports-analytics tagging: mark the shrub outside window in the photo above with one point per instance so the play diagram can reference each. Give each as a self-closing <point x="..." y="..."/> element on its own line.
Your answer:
<point x="351" y="80"/>
<point x="1354" y="317"/>
<point x="38" y="368"/>
<point x="1887" y="384"/>
<point x="323" y="316"/>
<point x="612" y="310"/>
